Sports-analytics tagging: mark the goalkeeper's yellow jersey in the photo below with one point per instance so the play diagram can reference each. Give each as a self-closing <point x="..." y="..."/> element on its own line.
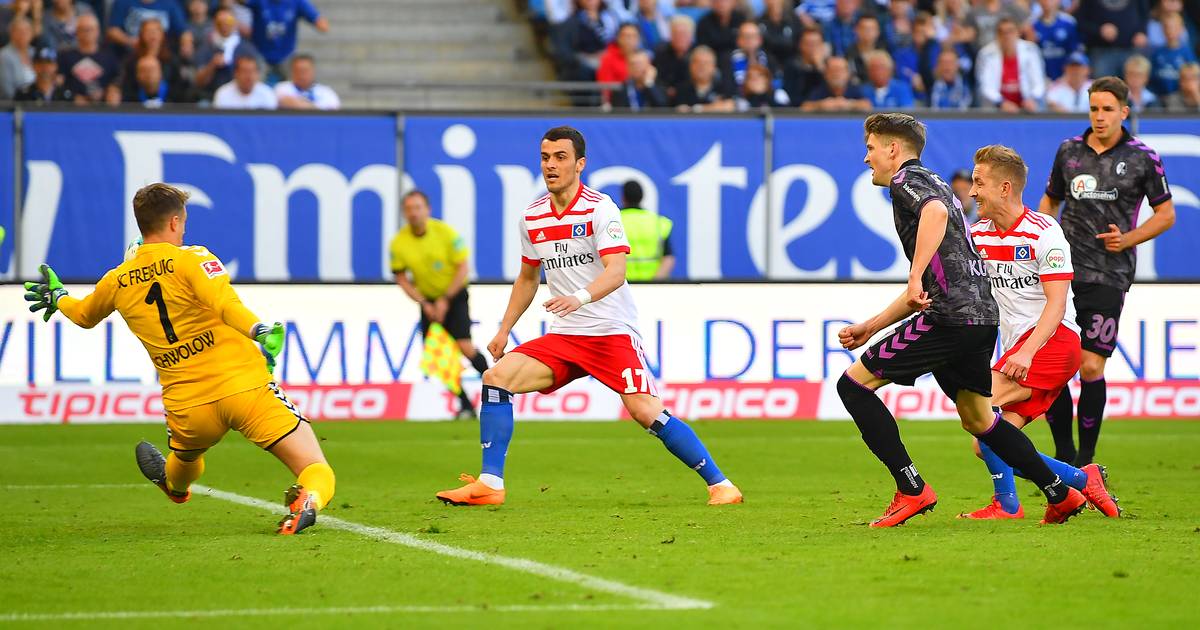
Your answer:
<point x="180" y="305"/>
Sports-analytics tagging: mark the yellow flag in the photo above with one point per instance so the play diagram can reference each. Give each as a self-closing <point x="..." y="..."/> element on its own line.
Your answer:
<point x="442" y="359"/>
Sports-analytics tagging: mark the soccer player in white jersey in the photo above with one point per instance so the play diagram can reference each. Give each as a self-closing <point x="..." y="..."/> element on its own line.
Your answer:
<point x="574" y="234"/>
<point x="1029" y="264"/>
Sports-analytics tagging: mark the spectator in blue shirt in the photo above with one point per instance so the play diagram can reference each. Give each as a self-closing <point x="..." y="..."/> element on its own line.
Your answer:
<point x="837" y="94"/>
<point x="839" y="31"/>
<point x="1169" y="59"/>
<point x="125" y="21"/>
<point x="275" y="23"/>
<point x="1057" y="36"/>
<point x="818" y="13"/>
<point x="883" y="89"/>
<point x="949" y="90"/>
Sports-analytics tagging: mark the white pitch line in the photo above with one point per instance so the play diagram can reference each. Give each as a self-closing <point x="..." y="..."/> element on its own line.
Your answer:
<point x="73" y="486"/>
<point x="300" y="612"/>
<point x="653" y="599"/>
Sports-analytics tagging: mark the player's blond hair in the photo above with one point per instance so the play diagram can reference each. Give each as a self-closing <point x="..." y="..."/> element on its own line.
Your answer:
<point x="1005" y="163"/>
<point x="900" y="127"/>
<point x="153" y="205"/>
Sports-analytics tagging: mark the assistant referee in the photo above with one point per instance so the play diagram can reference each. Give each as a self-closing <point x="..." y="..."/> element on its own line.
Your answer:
<point x="435" y="257"/>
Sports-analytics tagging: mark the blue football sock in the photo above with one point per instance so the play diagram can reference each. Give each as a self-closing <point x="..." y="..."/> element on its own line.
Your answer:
<point x="681" y="440"/>
<point x="1070" y="475"/>
<point x="495" y="429"/>
<point x="1002" y="479"/>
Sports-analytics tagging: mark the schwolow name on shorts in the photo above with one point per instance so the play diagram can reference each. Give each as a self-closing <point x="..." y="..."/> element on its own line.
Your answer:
<point x="562" y="262"/>
<point x="185" y="351"/>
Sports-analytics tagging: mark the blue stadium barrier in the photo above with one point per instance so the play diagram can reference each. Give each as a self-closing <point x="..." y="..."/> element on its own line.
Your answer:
<point x="313" y="198"/>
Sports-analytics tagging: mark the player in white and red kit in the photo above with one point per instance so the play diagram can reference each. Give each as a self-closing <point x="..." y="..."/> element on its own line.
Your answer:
<point x="1029" y="265"/>
<point x="575" y="235"/>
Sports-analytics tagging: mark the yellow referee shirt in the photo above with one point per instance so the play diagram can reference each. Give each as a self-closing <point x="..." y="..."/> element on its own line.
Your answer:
<point x="179" y="304"/>
<point x="432" y="258"/>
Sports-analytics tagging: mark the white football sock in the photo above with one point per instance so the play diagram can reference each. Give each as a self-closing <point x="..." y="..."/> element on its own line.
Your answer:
<point x="492" y="481"/>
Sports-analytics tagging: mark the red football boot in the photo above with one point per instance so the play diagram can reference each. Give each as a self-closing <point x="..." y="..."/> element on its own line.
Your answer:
<point x="993" y="512"/>
<point x="904" y="507"/>
<point x="1096" y="491"/>
<point x="1057" y="513"/>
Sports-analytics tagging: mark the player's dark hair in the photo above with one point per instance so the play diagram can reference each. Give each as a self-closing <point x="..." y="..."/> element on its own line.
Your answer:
<point x="568" y="133"/>
<point x="904" y="128"/>
<point x="1005" y="162"/>
<point x="416" y="192"/>
<point x="155" y="204"/>
<point x="1112" y="85"/>
<point x="304" y="57"/>
<point x="631" y="194"/>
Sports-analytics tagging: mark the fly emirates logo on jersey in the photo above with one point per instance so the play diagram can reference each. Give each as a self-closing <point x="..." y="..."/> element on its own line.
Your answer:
<point x="563" y="236"/>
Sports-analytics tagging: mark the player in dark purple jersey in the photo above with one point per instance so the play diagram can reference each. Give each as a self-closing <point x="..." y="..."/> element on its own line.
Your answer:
<point x="952" y="335"/>
<point x="1100" y="178"/>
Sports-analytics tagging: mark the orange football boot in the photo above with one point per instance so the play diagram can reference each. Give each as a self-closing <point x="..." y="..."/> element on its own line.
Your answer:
<point x="904" y="507"/>
<point x="724" y="495"/>
<point x="1096" y="491"/>
<point x="1057" y="513"/>
<point x="994" y="511"/>
<point x="474" y="493"/>
<point x="302" y="511"/>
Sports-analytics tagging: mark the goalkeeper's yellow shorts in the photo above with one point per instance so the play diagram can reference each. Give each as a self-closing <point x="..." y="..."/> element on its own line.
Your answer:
<point x="264" y="415"/>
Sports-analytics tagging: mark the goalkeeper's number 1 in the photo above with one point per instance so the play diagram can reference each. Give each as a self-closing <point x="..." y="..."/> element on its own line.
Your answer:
<point x="155" y="296"/>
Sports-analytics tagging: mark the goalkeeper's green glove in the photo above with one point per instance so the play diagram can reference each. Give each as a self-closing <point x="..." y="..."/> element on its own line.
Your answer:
<point x="271" y="340"/>
<point x="45" y="294"/>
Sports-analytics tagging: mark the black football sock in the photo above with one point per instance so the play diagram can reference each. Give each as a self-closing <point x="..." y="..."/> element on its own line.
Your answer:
<point x="478" y="362"/>
<point x="1060" y="416"/>
<point x="1092" y="396"/>
<point x="1018" y="451"/>
<point x="881" y="434"/>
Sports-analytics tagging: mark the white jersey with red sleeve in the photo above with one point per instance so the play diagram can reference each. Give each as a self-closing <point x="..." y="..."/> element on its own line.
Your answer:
<point x="568" y="244"/>
<point x="1034" y="250"/>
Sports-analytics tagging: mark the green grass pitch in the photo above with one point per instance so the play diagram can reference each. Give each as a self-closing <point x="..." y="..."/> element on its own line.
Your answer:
<point x="82" y="533"/>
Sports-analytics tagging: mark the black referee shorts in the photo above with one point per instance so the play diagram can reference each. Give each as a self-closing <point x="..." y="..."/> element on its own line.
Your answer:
<point x="959" y="357"/>
<point x="458" y="317"/>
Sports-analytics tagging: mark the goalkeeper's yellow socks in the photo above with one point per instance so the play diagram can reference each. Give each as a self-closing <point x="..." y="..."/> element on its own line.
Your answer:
<point x="318" y="479"/>
<point x="181" y="474"/>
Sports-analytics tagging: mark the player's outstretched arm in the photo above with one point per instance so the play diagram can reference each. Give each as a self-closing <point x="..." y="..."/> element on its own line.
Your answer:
<point x="855" y="335"/>
<point x="523" y="291"/>
<point x="50" y="296"/>
<point x="608" y="281"/>
<point x="1163" y="219"/>
<point x="931" y="229"/>
<point x="1048" y="205"/>
<point x="1017" y="365"/>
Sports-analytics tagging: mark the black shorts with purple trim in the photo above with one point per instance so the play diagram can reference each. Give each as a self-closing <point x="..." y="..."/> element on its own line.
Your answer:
<point x="959" y="357"/>
<point x="1098" y="312"/>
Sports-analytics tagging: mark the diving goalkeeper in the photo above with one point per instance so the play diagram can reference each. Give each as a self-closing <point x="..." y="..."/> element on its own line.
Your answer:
<point x="178" y="301"/>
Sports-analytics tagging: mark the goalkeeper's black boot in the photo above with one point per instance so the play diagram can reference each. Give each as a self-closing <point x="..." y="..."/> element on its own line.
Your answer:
<point x="154" y="467"/>
<point x="302" y="511"/>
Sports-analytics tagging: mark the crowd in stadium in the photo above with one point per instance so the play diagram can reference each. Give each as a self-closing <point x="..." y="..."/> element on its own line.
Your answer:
<point x="233" y="55"/>
<point x="859" y="55"/>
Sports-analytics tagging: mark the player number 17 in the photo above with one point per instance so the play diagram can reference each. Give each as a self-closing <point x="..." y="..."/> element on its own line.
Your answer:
<point x="628" y="374"/>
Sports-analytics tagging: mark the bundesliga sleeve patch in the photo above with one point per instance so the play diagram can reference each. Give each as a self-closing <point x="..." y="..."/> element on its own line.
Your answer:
<point x="212" y="268"/>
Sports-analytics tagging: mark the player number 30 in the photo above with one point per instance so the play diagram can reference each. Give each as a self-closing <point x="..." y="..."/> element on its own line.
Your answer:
<point x="629" y="374"/>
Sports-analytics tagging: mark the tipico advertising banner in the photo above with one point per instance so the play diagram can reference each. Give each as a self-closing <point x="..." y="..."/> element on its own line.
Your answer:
<point x="731" y="351"/>
<point x="316" y="198"/>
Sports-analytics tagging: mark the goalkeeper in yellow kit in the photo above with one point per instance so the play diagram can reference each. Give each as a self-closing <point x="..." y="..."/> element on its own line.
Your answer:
<point x="178" y="301"/>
